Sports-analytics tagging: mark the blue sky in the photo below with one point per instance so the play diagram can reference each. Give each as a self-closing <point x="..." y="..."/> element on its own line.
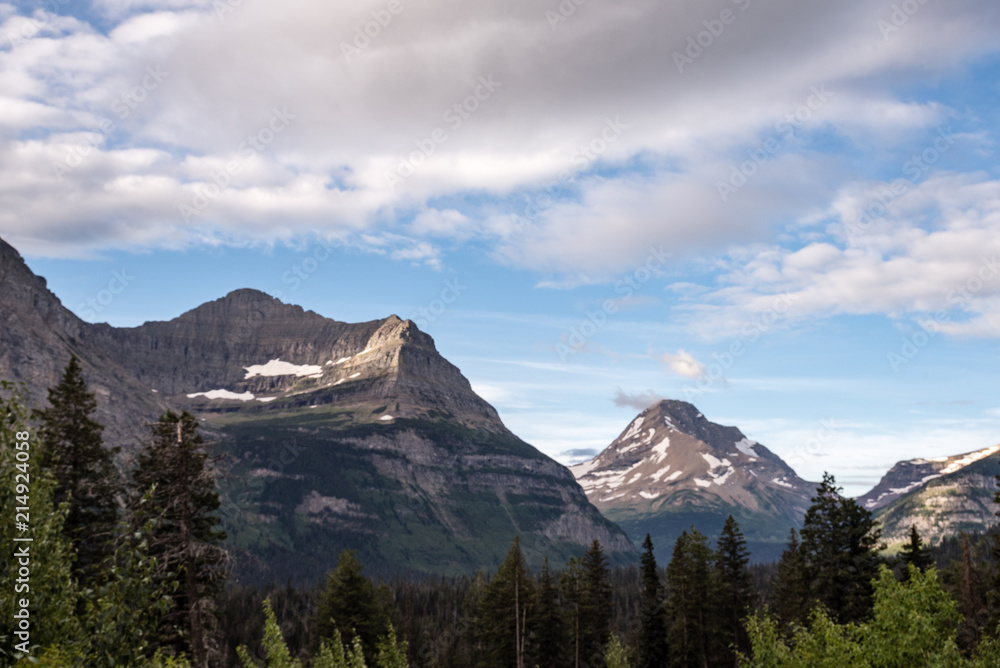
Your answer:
<point x="787" y="213"/>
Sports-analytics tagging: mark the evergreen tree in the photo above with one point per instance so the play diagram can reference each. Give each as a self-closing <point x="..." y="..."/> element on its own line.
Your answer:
<point x="735" y="595"/>
<point x="83" y="470"/>
<point x="915" y="553"/>
<point x="553" y="640"/>
<point x="596" y="606"/>
<point x="176" y="490"/>
<point x="350" y="605"/>
<point x="840" y="544"/>
<point x="571" y="584"/>
<point x="507" y="610"/>
<point x="971" y="598"/>
<point x="652" y="614"/>
<point x="792" y="596"/>
<point x="50" y="590"/>
<point x="689" y="595"/>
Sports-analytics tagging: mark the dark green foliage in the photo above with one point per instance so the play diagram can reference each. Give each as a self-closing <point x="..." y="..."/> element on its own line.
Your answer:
<point x="552" y="638"/>
<point x="840" y="546"/>
<point x="596" y="608"/>
<point x="735" y="595"/>
<point x="914" y="552"/>
<point x="791" y="597"/>
<point x="652" y="613"/>
<point x="175" y="490"/>
<point x="352" y="605"/>
<point x="83" y="471"/>
<point x="689" y="597"/>
<point x="507" y="611"/>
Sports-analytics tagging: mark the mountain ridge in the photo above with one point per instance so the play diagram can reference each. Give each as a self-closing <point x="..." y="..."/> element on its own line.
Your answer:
<point x="335" y="434"/>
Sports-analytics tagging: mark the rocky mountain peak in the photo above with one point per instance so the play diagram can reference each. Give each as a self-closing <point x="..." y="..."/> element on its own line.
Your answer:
<point x="671" y="459"/>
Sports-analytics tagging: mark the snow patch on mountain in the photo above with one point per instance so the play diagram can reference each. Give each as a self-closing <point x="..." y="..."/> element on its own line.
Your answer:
<point x="746" y="447"/>
<point x="582" y="469"/>
<point x="659" y="450"/>
<point x="223" y="394"/>
<point x="659" y="474"/>
<point x="970" y="458"/>
<point x="633" y="428"/>
<point x="276" y="367"/>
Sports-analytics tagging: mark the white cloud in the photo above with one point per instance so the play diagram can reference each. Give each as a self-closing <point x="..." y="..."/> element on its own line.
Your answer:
<point x="947" y="270"/>
<point x="356" y="120"/>
<point x="683" y="364"/>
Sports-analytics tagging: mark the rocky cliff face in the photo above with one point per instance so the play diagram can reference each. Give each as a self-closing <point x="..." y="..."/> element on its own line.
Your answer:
<point x="37" y="337"/>
<point x="337" y="435"/>
<point x="672" y="468"/>
<point x="941" y="497"/>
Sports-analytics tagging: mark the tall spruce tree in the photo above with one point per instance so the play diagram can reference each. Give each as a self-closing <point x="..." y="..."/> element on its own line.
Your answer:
<point x="553" y="641"/>
<point x="689" y="594"/>
<point x="735" y="590"/>
<point x="571" y="585"/>
<point x="916" y="553"/>
<point x="175" y="493"/>
<point x="51" y="591"/>
<point x="506" y="614"/>
<point x="596" y="608"/>
<point x="351" y="605"/>
<point x="840" y="544"/>
<point x="792" y="596"/>
<point x="83" y="471"/>
<point x="652" y="614"/>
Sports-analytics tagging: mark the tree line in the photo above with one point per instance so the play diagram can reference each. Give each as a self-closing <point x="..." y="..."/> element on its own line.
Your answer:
<point x="129" y="570"/>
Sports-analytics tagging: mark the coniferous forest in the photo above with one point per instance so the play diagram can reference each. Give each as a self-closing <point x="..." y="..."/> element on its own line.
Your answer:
<point x="130" y="570"/>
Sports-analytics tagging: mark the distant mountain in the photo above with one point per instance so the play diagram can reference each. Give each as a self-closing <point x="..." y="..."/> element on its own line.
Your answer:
<point x="337" y="435"/>
<point x="672" y="468"/>
<point x="941" y="496"/>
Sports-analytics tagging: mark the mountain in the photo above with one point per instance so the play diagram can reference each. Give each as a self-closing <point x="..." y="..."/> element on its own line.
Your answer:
<point x="671" y="468"/>
<point x="941" y="496"/>
<point x="333" y="435"/>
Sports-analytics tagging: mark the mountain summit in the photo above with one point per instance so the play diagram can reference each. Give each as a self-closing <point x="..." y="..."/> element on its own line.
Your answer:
<point x="671" y="468"/>
<point x="334" y="435"/>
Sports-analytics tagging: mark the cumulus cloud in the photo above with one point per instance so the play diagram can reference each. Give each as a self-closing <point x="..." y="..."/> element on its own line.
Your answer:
<point x="683" y="364"/>
<point x="944" y="273"/>
<point x="440" y="97"/>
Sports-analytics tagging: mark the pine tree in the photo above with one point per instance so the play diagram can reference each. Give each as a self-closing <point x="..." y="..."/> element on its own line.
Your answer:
<point x="735" y="595"/>
<point x="792" y="597"/>
<point x="176" y="490"/>
<point x="689" y="590"/>
<point x="50" y="590"/>
<point x="507" y="610"/>
<point x="971" y="598"/>
<point x="83" y="470"/>
<point x="350" y="604"/>
<point x="652" y="614"/>
<point x="571" y="584"/>
<point x="553" y="640"/>
<point x="596" y="607"/>
<point x="915" y="553"/>
<point x="840" y="543"/>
